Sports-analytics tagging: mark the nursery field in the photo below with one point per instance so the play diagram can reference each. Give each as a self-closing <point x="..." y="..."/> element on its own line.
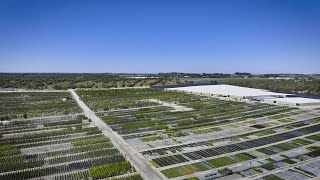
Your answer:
<point x="200" y="137"/>
<point x="15" y="105"/>
<point x="45" y="135"/>
<point x="57" y="146"/>
<point x="66" y="147"/>
<point x="104" y="100"/>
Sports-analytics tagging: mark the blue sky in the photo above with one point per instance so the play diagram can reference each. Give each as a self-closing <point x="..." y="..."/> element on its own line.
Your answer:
<point x="257" y="36"/>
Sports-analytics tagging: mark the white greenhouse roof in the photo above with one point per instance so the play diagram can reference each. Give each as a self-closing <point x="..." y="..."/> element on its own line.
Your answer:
<point x="299" y="100"/>
<point x="228" y="90"/>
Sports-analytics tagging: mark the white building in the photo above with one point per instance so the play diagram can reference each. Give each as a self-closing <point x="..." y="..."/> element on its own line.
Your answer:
<point x="293" y="101"/>
<point x="249" y="95"/>
<point x="229" y="91"/>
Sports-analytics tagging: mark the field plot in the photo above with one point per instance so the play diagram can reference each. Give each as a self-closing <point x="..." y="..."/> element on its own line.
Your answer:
<point x="101" y="100"/>
<point x="55" y="147"/>
<point x="33" y="104"/>
<point x="213" y="138"/>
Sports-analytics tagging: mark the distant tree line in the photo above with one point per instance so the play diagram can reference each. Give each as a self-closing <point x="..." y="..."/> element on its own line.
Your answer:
<point x="310" y="86"/>
<point x="298" y="83"/>
<point x="77" y="80"/>
<point x="235" y="75"/>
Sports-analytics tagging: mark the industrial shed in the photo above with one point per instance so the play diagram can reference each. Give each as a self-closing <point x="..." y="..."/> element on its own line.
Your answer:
<point x="230" y="91"/>
<point x="294" y="101"/>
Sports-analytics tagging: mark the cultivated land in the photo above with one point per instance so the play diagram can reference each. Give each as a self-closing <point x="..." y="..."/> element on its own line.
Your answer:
<point x="153" y="134"/>
<point x="148" y="172"/>
<point x="211" y="138"/>
<point x="57" y="146"/>
<point x="33" y="104"/>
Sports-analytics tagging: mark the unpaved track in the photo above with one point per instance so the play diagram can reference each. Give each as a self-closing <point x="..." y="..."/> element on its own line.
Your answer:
<point x="142" y="166"/>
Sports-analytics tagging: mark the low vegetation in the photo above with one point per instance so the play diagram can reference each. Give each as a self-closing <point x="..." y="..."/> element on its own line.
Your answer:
<point x="32" y="104"/>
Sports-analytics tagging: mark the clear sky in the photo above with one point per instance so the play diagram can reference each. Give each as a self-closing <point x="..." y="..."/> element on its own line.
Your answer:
<point x="257" y="36"/>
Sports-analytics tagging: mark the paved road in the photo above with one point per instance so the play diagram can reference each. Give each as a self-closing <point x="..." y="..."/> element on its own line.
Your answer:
<point x="142" y="166"/>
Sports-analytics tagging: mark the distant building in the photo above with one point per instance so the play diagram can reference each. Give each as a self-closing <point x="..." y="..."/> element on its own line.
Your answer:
<point x="229" y="91"/>
<point x="249" y="95"/>
<point x="281" y="78"/>
<point x="293" y="101"/>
